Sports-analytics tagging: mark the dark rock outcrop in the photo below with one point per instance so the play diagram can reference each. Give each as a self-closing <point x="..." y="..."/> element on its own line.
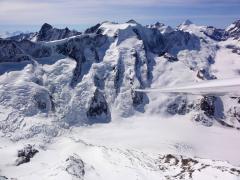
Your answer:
<point x="3" y="178"/>
<point x="11" y="52"/>
<point x="48" y="33"/>
<point x="178" y="106"/>
<point x="234" y="49"/>
<point x="203" y="119"/>
<point x="215" y="34"/>
<point x="207" y="105"/>
<point x="25" y="50"/>
<point x="36" y="50"/>
<point x="75" y="167"/>
<point x="25" y="154"/>
<point x="170" y="58"/>
<point x="23" y="36"/>
<point x="234" y="112"/>
<point x="76" y="48"/>
<point x="234" y="30"/>
<point x="206" y="111"/>
<point x="205" y="75"/>
<point x="92" y="29"/>
<point x="98" y="111"/>
<point x="179" y="40"/>
<point x="139" y="100"/>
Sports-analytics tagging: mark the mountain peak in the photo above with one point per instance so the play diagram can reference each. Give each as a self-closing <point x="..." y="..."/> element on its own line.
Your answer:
<point x="132" y="21"/>
<point x="187" y="22"/>
<point x="49" y="33"/>
<point x="158" y="24"/>
<point x="46" y="27"/>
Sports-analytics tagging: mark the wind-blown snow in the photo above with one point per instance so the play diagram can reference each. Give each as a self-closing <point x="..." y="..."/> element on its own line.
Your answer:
<point x="224" y="87"/>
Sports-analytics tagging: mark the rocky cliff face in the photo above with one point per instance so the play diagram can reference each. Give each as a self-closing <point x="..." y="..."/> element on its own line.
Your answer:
<point x="48" y="33"/>
<point x="87" y="78"/>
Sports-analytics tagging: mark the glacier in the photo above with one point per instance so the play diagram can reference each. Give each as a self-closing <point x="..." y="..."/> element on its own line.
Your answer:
<point x="73" y="94"/>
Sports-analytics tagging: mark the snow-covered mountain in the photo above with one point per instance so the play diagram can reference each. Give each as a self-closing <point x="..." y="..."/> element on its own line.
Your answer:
<point x="234" y="29"/>
<point x="46" y="33"/>
<point x="58" y="81"/>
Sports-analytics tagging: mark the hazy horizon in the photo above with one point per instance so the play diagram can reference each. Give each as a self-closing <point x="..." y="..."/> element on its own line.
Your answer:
<point x="29" y="15"/>
<point x="82" y="27"/>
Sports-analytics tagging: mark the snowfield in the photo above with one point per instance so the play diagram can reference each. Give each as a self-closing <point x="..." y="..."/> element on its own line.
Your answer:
<point x="130" y="148"/>
<point x="121" y="101"/>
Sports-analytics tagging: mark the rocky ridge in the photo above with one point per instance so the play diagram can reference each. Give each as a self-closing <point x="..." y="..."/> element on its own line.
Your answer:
<point x="86" y="78"/>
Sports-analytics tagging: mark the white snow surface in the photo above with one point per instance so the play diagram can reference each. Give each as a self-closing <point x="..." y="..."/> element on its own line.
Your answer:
<point x="128" y="149"/>
<point x="38" y="106"/>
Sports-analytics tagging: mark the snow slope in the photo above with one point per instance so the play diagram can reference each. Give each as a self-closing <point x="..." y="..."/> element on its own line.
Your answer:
<point x="138" y="147"/>
<point x="74" y="96"/>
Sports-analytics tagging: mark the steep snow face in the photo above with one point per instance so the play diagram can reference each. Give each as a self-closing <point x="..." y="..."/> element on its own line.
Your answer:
<point x="90" y="78"/>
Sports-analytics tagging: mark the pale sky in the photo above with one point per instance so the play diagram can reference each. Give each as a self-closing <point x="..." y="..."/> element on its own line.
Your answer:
<point x="80" y="14"/>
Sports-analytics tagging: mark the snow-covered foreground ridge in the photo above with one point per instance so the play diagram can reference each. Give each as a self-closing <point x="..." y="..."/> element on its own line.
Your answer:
<point x="68" y="158"/>
<point x="56" y="80"/>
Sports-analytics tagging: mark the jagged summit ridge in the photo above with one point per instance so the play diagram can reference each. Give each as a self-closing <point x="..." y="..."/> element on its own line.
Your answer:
<point x="61" y="88"/>
<point x="89" y="78"/>
<point x="48" y="33"/>
<point x="45" y="27"/>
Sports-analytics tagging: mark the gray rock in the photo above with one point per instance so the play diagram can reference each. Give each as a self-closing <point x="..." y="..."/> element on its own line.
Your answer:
<point x="92" y="29"/>
<point x="234" y="31"/>
<point x="48" y="33"/>
<point x="25" y="154"/>
<point x="98" y="110"/>
<point x="170" y="58"/>
<point x="215" y="34"/>
<point x="205" y="75"/>
<point x="178" y="106"/>
<point x="207" y="105"/>
<point x="203" y="119"/>
<point x="75" y="167"/>
<point x="3" y="178"/>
